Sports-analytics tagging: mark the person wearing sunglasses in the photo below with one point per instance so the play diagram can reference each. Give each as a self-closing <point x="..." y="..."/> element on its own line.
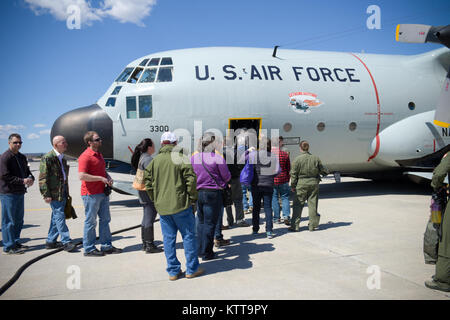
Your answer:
<point x="15" y="178"/>
<point x="94" y="178"/>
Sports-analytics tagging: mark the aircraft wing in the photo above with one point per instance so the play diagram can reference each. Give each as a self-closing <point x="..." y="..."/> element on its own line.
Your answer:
<point x="420" y="176"/>
<point x="124" y="187"/>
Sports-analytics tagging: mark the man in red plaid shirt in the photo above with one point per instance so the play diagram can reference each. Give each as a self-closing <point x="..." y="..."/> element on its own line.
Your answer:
<point x="281" y="185"/>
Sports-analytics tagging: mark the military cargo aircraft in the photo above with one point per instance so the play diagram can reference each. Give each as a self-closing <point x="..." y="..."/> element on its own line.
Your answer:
<point x="365" y="115"/>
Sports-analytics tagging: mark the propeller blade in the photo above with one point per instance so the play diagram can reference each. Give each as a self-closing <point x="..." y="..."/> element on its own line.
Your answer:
<point x="412" y="33"/>
<point x="442" y="114"/>
<point x="420" y="33"/>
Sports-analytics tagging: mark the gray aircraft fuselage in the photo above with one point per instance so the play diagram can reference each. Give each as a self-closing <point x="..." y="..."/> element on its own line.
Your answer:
<point x="342" y="103"/>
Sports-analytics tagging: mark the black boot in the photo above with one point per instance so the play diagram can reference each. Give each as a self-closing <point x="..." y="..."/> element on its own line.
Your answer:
<point x="151" y="248"/>
<point x="144" y="240"/>
<point x="147" y="239"/>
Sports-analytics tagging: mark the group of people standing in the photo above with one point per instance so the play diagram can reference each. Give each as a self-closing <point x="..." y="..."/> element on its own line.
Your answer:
<point x="174" y="189"/>
<point x="179" y="189"/>
<point x="16" y="177"/>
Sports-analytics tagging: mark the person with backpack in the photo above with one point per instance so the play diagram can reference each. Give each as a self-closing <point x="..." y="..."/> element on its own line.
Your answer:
<point x="441" y="279"/>
<point x="242" y="145"/>
<point x="266" y="167"/>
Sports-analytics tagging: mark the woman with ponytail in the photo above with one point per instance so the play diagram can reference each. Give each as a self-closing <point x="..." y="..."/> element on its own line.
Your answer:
<point x="141" y="158"/>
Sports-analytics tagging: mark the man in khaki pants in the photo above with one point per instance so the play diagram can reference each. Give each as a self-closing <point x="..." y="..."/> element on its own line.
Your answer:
<point x="305" y="178"/>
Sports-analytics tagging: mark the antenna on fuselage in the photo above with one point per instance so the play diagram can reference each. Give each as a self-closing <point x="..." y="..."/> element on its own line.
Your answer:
<point x="274" y="54"/>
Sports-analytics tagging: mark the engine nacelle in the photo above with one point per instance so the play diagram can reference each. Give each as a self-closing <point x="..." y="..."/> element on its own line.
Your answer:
<point x="410" y="138"/>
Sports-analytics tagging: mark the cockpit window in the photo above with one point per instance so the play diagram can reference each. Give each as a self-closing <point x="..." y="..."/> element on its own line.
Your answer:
<point x="111" y="102"/>
<point x="131" y="108"/>
<point x="145" y="107"/>
<point x="154" y="62"/>
<point x="124" y="75"/>
<point x="144" y="62"/>
<point x="166" y="61"/>
<point x="165" y="74"/>
<point x="149" y="75"/>
<point x="116" y="90"/>
<point x="135" y="76"/>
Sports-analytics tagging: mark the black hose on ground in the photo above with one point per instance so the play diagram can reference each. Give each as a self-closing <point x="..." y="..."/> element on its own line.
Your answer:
<point x="19" y="272"/>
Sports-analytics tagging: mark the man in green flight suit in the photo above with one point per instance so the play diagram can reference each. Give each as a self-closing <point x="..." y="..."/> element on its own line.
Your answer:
<point x="441" y="280"/>
<point x="305" y="178"/>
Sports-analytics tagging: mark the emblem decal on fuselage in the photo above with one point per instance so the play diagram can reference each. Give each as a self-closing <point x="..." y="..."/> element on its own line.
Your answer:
<point x="304" y="102"/>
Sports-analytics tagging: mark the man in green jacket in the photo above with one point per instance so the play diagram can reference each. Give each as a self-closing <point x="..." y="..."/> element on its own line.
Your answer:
<point x="171" y="184"/>
<point x="54" y="187"/>
<point x="441" y="280"/>
<point x="305" y="178"/>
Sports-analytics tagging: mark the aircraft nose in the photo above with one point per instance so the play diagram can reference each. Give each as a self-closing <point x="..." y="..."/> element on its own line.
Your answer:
<point x="74" y="124"/>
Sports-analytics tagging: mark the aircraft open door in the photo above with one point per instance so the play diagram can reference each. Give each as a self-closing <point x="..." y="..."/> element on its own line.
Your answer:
<point x="250" y="125"/>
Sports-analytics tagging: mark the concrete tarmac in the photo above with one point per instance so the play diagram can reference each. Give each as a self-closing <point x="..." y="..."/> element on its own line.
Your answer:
<point x="368" y="246"/>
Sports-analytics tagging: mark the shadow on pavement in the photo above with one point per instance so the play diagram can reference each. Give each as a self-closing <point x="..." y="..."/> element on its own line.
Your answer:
<point x="131" y="203"/>
<point x="237" y="254"/>
<point x="370" y="188"/>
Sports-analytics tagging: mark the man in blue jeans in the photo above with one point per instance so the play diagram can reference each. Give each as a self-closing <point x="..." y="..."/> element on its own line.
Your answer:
<point x="171" y="184"/>
<point x="54" y="187"/>
<point x="247" y="202"/>
<point x="15" y="178"/>
<point x="281" y="188"/>
<point x="93" y="176"/>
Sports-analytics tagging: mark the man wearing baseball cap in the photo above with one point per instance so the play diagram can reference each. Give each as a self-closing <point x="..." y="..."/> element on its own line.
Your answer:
<point x="172" y="188"/>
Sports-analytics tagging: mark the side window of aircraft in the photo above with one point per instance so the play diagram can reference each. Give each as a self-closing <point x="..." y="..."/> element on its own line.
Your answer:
<point x="135" y="76"/>
<point x="131" y="108"/>
<point x="149" y="75"/>
<point x="116" y="90"/>
<point x="111" y="102"/>
<point x="144" y="62"/>
<point x="165" y="74"/>
<point x="145" y="107"/>
<point x="124" y="75"/>
<point x="166" y="62"/>
<point x="154" y="62"/>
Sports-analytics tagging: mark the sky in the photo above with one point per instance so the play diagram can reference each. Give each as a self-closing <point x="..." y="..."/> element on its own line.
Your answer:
<point x="58" y="55"/>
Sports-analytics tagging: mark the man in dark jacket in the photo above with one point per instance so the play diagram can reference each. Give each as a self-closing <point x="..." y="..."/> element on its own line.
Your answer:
<point x="54" y="187"/>
<point x="266" y="169"/>
<point x="231" y="157"/>
<point x="15" y="177"/>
